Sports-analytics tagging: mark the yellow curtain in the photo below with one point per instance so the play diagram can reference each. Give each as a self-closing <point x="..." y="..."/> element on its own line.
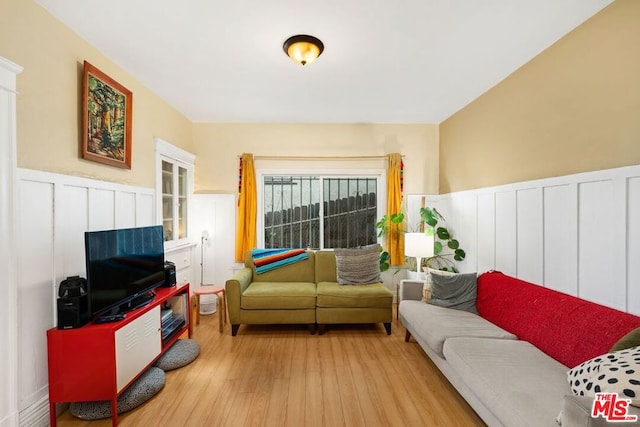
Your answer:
<point x="395" y="242"/>
<point x="247" y="201"/>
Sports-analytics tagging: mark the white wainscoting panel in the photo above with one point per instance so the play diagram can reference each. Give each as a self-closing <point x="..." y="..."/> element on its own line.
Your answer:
<point x="529" y="232"/>
<point x="35" y="274"/>
<point x="596" y="247"/>
<point x="578" y="234"/>
<point x="54" y="211"/>
<point x="145" y="213"/>
<point x="486" y="234"/>
<point x="125" y="209"/>
<point x="633" y="244"/>
<point x="561" y="238"/>
<point x="102" y="209"/>
<point x="506" y="232"/>
<point x="467" y="208"/>
<point x="73" y="224"/>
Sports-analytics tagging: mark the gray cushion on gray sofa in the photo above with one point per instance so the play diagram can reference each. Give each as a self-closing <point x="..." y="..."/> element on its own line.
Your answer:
<point x="456" y="291"/>
<point x="435" y="324"/>
<point x="519" y="383"/>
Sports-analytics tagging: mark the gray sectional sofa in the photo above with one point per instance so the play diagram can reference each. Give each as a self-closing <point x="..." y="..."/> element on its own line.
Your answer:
<point x="510" y="362"/>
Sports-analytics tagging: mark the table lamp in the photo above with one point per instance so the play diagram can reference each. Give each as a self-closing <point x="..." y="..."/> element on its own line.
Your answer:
<point x="418" y="245"/>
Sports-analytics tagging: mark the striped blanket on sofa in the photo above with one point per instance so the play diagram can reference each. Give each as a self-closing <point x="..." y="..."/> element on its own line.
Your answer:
<point x="269" y="259"/>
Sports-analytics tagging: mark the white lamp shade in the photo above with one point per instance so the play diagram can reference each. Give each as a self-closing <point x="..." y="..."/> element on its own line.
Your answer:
<point x="419" y="245"/>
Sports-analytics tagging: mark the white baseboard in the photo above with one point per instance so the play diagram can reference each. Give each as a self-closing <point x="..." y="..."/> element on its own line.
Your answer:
<point x="36" y="415"/>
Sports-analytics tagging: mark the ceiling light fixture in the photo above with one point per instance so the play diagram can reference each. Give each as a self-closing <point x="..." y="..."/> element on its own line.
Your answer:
<point x="302" y="48"/>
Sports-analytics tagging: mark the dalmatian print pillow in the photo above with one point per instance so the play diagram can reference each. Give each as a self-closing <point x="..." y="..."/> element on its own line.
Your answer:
<point x="616" y="372"/>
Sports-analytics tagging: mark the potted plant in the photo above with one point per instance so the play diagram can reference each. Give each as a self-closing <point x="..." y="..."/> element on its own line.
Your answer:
<point x="432" y="222"/>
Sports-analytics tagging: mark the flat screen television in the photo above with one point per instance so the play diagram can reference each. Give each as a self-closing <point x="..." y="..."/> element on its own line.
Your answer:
<point x="123" y="268"/>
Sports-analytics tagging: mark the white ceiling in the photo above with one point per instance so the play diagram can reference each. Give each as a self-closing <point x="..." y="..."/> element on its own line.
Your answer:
<point x="385" y="61"/>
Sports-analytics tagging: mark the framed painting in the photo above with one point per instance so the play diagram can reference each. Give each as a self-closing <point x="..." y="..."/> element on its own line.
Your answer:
<point x="106" y="119"/>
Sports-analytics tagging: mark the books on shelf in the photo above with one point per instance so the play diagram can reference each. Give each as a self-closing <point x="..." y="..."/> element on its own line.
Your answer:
<point x="166" y="314"/>
<point x="172" y="323"/>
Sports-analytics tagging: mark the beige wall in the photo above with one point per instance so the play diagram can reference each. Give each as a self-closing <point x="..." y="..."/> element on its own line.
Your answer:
<point x="573" y="108"/>
<point x="49" y="100"/>
<point x="217" y="147"/>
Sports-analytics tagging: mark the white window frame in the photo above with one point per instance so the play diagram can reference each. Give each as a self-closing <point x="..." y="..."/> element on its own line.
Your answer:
<point x="379" y="174"/>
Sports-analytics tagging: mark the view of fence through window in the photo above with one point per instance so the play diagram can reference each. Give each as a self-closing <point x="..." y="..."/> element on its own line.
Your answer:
<point x="293" y="218"/>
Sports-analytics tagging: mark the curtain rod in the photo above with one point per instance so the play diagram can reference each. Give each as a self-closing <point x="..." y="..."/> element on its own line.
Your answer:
<point x="319" y="157"/>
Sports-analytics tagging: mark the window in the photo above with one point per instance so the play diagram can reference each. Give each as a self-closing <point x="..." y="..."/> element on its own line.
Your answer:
<point x="319" y="212"/>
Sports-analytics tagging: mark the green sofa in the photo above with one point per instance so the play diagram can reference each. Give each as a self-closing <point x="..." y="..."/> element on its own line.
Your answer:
<point x="305" y="292"/>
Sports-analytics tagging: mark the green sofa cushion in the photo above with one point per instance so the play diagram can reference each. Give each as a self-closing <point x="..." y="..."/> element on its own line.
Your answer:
<point x="326" y="267"/>
<point x="331" y="294"/>
<point x="279" y="295"/>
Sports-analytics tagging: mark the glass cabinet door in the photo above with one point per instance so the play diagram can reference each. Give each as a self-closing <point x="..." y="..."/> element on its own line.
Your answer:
<point x="175" y="186"/>
<point x="182" y="202"/>
<point x="167" y="200"/>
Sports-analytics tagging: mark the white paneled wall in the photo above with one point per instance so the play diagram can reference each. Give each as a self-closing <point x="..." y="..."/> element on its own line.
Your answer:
<point x="54" y="211"/>
<point x="529" y="232"/>
<point x="35" y="275"/>
<point x="578" y="234"/>
<point x="560" y="208"/>
<point x="214" y="215"/>
<point x="633" y="245"/>
<point x="486" y="232"/>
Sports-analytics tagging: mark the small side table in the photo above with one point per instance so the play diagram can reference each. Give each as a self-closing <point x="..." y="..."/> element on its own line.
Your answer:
<point x="221" y="305"/>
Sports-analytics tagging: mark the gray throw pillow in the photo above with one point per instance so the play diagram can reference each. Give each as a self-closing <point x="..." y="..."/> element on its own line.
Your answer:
<point x="458" y="291"/>
<point x="358" y="266"/>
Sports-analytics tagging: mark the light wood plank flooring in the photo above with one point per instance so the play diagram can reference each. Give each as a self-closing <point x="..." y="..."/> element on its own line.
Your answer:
<point x="353" y="375"/>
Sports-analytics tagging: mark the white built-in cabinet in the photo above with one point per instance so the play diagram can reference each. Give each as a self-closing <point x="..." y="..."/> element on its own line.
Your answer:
<point x="8" y="243"/>
<point x="174" y="190"/>
<point x="182" y="256"/>
<point x="174" y="187"/>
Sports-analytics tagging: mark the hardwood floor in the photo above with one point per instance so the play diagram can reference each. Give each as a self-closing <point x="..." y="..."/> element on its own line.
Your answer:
<point x="353" y="375"/>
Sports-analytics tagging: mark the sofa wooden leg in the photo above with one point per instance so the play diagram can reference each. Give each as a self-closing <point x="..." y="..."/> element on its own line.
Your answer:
<point x="312" y="328"/>
<point x="387" y="326"/>
<point x="234" y="330"/>
<point x="322" y="329"/>
<point x="407" y="336"/>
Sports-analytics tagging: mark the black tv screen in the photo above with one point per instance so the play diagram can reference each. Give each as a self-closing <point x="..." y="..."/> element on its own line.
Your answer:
<point x="122" y="267"/>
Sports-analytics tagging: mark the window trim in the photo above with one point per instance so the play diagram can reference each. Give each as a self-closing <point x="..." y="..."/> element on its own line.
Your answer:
<point x="379" y="174"/>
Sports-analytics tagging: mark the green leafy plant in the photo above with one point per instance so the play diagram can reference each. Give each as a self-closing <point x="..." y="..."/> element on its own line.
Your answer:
<point x="433" y="220"/>
<point x="441" y="260"/>
<point x="383" y="226"/>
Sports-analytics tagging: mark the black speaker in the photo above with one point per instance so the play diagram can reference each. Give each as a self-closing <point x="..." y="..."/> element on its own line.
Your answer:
<point x="169" y="274"/>
<point x="73" y="312"/>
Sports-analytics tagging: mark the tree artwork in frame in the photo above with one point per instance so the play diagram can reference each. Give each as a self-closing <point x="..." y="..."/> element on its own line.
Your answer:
<point x="106" y="119"/>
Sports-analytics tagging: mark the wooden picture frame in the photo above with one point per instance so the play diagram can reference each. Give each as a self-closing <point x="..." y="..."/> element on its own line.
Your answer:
<point x="106" y="119"/>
